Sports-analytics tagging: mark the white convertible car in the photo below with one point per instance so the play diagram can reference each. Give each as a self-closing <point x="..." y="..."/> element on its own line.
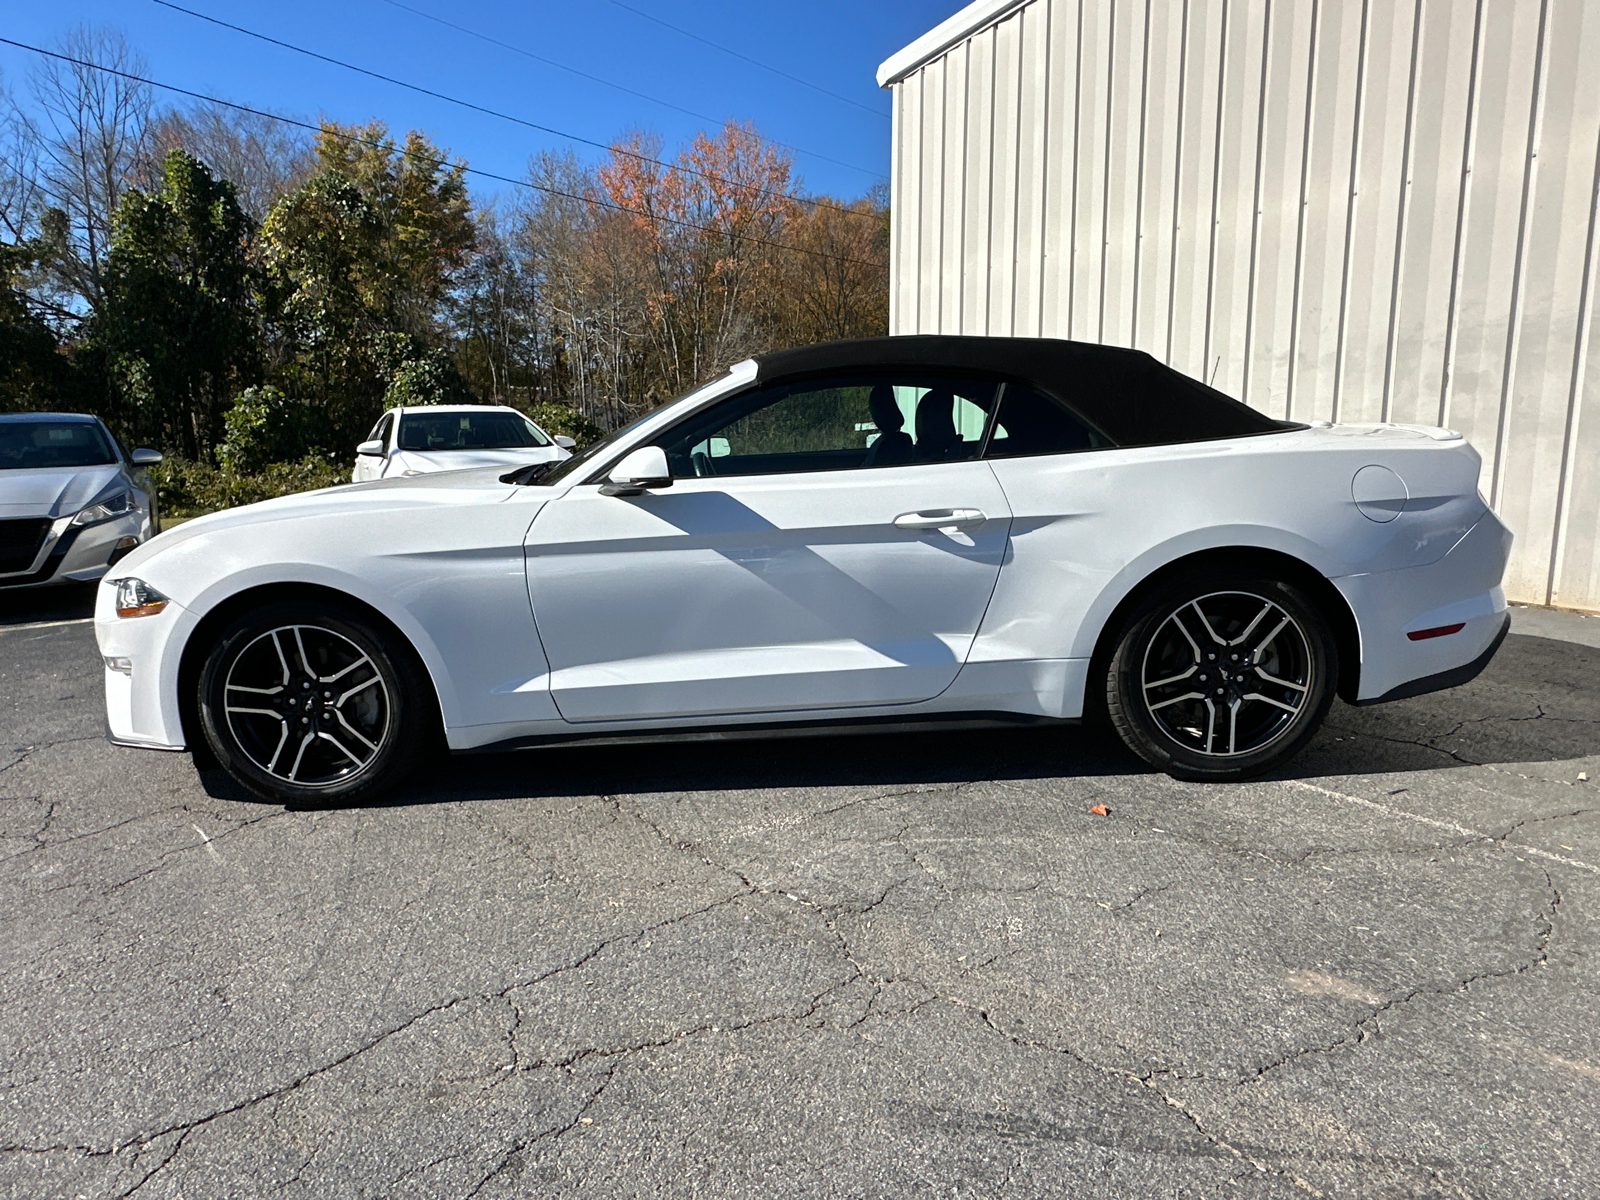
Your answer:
<point x="888" y="532"/>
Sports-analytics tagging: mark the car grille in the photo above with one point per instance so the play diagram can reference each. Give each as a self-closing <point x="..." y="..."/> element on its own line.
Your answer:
<point x="20" y="542"/>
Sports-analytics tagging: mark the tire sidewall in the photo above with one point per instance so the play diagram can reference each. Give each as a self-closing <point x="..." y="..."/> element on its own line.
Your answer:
<point x="406" y="723"/>
<point x="1124" y="685"/>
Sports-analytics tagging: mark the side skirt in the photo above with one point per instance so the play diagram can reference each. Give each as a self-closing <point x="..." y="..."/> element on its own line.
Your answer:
<point x="784" y="729"/>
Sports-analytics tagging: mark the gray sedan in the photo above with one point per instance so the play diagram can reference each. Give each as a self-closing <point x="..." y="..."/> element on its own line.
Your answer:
<point x="72" y="502"/>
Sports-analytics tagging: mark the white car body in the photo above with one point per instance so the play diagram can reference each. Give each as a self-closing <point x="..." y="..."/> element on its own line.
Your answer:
<point x="48" y="533"/>
<point x="392" y="460"/>
<point x="796" y="598"/>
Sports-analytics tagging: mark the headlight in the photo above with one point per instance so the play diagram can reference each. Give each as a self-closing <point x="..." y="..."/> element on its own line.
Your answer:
<point x="104" y="509"/>
<point x="136" y="598"/>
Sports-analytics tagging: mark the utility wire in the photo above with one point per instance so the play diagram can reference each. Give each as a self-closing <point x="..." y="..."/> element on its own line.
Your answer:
<point x="561" y="66"/>
<point x="639" y="12"/>
<point x="378" y="144"/>
<point x="467" y="104"/>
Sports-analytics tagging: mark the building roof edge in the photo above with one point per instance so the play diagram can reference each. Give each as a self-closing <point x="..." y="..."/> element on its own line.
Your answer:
<point x="942" y="36"/>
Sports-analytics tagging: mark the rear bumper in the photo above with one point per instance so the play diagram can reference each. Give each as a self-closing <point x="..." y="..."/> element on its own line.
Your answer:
<point x="1462" y="589"/>
<point x="1454" y="677"/>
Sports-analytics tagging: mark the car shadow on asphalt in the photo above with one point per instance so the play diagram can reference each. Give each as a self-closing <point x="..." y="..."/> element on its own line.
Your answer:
<point x="55" y="602"/>
<point x="1535" y="703"/>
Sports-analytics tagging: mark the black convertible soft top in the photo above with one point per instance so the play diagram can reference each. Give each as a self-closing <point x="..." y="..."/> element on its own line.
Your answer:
<point x="1134" y="399"/>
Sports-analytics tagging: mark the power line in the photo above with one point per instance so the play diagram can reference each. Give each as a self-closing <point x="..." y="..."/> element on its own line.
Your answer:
<point x="378" y="144"/>
<point x="638" y="12"/>
<point x="561" y="66"/>
<point x="467" y="104"/>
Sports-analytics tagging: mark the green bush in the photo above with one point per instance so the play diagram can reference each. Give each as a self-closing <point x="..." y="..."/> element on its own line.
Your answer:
<point x="187" y="488"/>
<point x="562" y="419"/>
<point x="264" y="427"/>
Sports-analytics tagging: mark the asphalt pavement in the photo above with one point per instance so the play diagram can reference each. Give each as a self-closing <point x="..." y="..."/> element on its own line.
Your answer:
<point x="828" y="967"/>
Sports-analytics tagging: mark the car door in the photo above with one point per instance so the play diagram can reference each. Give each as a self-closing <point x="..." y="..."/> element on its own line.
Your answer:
<point x="789" y="566"/>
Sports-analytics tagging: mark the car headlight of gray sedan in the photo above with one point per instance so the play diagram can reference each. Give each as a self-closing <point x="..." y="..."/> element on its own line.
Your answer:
<point x="109" y="507"/>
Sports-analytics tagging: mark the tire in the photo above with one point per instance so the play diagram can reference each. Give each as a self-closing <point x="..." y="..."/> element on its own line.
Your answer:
<point x="1221" y="675"/>
<point x="308" y="703"/>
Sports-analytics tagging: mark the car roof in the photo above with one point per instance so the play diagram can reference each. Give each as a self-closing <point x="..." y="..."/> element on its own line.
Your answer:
<point x="1134" y="398"/>
<point x="403" y="410"/>
<point x="65" y="418"/>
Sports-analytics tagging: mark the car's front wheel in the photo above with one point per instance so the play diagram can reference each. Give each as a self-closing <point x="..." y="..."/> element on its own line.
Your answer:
<point x="306" y="702"/>
<point x="1221" y="675"/>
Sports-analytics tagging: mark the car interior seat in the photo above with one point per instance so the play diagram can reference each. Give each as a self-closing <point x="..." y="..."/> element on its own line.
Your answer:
<point x="936" y="426"/>
<point x="893" y="445"/>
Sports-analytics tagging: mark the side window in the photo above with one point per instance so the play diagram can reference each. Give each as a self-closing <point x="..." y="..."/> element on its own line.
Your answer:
<point x="1033" y="423"/>
<point x="833" y="424"/>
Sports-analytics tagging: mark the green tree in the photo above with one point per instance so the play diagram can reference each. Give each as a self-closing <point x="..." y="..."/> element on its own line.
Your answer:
<point x="421" y="207"/>
<point x="175" y="333"/>
<point x="33" y="372"/>
<point x="359" y="261"/>
<point x="263" y="426"/>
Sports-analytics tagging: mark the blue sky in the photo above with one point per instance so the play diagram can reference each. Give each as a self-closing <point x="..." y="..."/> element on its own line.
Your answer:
<point x="835" y="44"/>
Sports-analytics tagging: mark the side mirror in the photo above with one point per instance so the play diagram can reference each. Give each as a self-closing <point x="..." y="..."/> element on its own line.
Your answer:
<point x="145" y="458"/>
<point x="644" y="468"/>
<point x="372" y="449"/>
<point x="564" y="441"/>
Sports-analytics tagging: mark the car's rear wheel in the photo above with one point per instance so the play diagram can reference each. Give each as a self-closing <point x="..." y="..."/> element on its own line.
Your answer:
<point x="306" y="702"/>
<point x="1221" y="675"/>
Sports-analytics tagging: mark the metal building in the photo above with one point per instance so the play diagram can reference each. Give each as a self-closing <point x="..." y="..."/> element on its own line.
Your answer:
<point x="1358" y="210"/>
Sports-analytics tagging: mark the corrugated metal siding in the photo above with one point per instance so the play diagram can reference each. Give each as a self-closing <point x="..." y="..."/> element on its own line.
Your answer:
<point x="1358" y="210"/>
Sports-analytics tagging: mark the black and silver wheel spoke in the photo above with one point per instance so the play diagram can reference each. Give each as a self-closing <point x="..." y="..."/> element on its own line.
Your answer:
<point x="306" y="705"/>
<point x="1226" y="674"/>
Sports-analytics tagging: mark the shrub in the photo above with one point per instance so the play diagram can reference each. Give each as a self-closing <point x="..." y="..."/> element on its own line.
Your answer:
<point x="556" y="419"/>
<point x="187" y="488"/>
<point x="265" y="427"/>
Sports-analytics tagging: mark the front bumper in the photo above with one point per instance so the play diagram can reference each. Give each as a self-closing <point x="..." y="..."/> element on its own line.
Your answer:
<point x="79" y="553"/>
<point x="142" y="703"/>
<point x="1462" y="588"/>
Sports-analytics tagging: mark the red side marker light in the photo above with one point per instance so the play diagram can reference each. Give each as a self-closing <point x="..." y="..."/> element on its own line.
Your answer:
<point x="1418" y="635"/>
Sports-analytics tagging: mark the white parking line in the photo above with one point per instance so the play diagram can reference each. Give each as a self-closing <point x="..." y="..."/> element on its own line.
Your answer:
<point x="48" y="624"/>
<point x="1448" y="826"/>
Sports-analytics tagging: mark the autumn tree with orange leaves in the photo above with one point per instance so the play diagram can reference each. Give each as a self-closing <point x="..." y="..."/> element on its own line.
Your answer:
<point x="709" y="223"/>
<point x="650" y="275"/>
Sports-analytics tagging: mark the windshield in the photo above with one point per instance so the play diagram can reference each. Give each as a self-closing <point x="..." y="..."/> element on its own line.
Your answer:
<point x="567" y="466"/>
<point x="31" y="445"/>
<point x="491" y="430"/>
<point x="555" y="474"/>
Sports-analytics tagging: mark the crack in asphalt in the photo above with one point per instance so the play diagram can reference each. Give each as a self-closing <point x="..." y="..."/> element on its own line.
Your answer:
<point x="1367" y="1025"/>
<point x="1222" y="1144"/>
<point x="24" y="753"/>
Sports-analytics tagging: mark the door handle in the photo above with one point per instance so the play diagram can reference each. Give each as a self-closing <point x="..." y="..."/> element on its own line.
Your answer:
<point x="941" y="518"/>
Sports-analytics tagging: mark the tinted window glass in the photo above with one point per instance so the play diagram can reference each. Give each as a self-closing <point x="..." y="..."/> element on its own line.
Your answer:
<point x="833" y="424"/>
<point x="34" y="444"/>
<point x="1033" y="423"/>
<point x="468" y="431"/>
<point x="380" y="431"/>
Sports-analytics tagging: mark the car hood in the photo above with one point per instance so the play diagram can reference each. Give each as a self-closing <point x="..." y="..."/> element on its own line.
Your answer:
<point x="465" y="460"/>
<point x="397" y="494"/>
<point x="52" y="491"/>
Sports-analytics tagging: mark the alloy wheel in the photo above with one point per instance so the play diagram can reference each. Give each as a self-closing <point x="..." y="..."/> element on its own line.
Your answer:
<point x="307" y="705"/>
<point x="1227" y="674"/>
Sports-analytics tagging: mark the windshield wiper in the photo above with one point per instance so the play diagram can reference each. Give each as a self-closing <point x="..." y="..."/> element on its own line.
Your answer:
<point x="525" y="475"/>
